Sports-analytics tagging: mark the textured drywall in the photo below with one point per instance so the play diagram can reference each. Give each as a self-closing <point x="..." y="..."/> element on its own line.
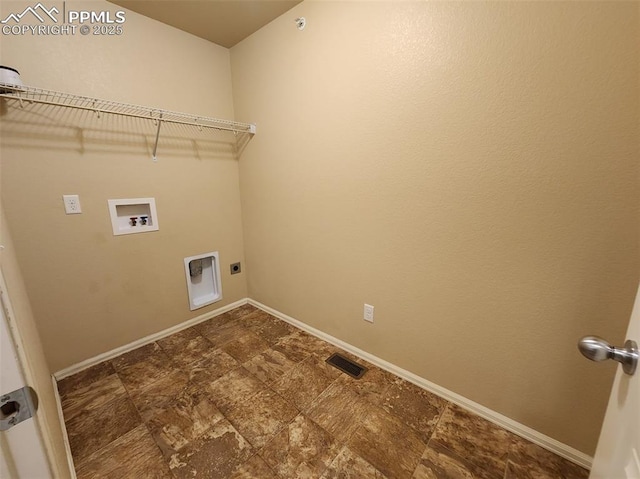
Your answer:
<point x="471" y="170"/>
<point x="91" y="291"/>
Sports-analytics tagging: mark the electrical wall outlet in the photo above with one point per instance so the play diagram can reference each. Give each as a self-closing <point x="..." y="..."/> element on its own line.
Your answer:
<point x="368" y="313"/>
<point x="235" y="268"/>
<point x="71" y="204"/>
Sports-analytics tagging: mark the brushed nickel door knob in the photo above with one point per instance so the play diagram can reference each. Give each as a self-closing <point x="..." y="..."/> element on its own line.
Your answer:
<point x="597" y="349"/>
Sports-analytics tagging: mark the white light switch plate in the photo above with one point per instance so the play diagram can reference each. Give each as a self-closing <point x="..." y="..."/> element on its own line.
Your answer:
<point x="368" y="313"/>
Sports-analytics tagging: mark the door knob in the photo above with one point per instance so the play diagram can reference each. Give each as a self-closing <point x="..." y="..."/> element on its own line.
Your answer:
<point x="597" y="349"/>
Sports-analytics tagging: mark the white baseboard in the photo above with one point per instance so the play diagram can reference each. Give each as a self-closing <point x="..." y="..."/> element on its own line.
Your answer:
<point x="521" y="430"/>
<point x="87" y="363"/>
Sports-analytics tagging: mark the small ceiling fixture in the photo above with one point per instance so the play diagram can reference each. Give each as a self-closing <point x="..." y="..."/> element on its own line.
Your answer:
<point x="301" y="23"/>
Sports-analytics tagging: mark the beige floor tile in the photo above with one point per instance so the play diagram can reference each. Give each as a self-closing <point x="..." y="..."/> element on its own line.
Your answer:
<point x="221" y="329"/>
<point x="215" y="454"/>
<point x="245" y="346"/>
<point x="235" y="386"/>
<point x="529" y="461"/>
<point x="159" y="394"/>
<point x="93" y="430"/>
<point x="92" y="396"/>
<point x="415" y="407"/>
<point x="348" y="465"/>
<point x="254" y="468"/>
<point x="339" y="411"/>
<point x="132" y="455"/>
<point x="299" y="345"/>
<point x="269" y="366"/>
<point x="267" y="327"/>
<point x="303" y="384"/>
<point x="84" y="378"/>
<point x="183" y="420"/>
<point x="301" y="449"/>
<point x="213" y="365"/>
<point x="372" y="386"/>
<point x="481" y="442"/>
<point x="142" y="367"/>
<point x="387" y="444"/>
<point x="438" y="462"/>
<point x="186" y="347"/>
<point x="261" y="416"/>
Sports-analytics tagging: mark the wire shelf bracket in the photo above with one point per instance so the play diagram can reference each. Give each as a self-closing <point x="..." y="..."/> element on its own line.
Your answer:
<point x="27" y="94"/>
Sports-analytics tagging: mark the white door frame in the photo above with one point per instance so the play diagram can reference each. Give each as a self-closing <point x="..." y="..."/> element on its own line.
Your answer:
<point x="23" y="455"/>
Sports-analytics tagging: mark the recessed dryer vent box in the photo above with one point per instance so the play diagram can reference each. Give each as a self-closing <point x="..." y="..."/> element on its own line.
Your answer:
<point x="133" y="215"/>
<point x="203" y="279"/>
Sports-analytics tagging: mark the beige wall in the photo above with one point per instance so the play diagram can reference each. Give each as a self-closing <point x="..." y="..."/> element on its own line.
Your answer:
<point x="90" y="291"/>
<point x="471" y="170"/>
<point x="35" y="369"/>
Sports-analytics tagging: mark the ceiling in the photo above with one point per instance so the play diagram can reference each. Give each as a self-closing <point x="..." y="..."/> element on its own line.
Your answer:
<point x="223" y="22"/>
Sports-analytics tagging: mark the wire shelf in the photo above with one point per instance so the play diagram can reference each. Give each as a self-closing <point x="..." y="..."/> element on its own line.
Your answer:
<point x="27" y="94"/>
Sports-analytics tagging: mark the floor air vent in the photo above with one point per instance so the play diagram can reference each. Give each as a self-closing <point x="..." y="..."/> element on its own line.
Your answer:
<point x="347" y="366"/>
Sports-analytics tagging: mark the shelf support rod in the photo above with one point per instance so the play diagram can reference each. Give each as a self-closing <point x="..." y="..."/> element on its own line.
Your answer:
<point x="155" y="147"/>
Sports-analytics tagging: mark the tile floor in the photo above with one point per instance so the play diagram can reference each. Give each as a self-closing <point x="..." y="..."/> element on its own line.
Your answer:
<point x="245" y="395"/>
